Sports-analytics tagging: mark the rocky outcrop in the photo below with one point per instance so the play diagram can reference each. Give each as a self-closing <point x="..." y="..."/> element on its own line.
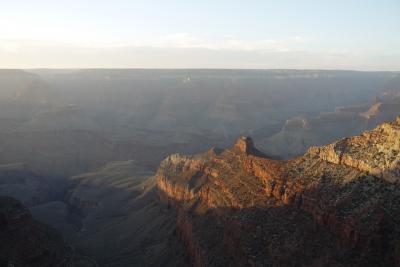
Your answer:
<point x="249" y="208"/>
<point x="189" y="174"/>
<point x="245" y="145"/>
<point x="25" y="242"/>
<point x="376" y="151"/>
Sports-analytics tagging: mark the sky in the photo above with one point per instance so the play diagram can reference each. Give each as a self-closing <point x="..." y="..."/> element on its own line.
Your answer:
<point x="249" y="34"/>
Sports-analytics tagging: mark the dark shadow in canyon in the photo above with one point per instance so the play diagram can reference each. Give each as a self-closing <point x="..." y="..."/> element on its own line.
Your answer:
<point x="307" y="232"/>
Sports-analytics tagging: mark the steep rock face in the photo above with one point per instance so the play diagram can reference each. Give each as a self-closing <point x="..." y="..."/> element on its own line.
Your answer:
<point x="25" y="242"/>
<point x="245" y="145"/>
<point x="337" y="205"/>
<point x="179" y="188"/>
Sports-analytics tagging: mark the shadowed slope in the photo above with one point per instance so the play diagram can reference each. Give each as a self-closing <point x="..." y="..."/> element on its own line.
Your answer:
<point x="121" y="221"/>
<point x="28" y="243"/>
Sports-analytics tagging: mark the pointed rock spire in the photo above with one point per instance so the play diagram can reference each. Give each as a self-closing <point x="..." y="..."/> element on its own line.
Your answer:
<point x="244" y="144"/>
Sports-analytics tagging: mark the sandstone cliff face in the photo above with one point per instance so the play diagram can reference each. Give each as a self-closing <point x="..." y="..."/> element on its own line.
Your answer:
<point x="337" y="205"/>
<point x="179" y="189"/>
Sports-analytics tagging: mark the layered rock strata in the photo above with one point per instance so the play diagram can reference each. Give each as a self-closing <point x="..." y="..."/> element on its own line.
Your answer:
<point x="338" y="205"/>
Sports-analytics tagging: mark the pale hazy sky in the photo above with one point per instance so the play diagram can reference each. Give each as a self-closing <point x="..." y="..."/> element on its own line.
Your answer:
<point x="337" y="34"/>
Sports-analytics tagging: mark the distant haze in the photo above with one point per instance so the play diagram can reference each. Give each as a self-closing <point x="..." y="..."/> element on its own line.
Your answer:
<point x="352" y="34"/>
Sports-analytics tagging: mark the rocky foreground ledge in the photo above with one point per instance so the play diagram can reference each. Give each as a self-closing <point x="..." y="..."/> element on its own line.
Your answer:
<point x="376" y="151"/>
<point x="26" y="242"/>
<point x="338" y="205"/>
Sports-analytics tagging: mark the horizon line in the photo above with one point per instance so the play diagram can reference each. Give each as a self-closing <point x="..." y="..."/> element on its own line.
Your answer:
<point x="194" y="68"/>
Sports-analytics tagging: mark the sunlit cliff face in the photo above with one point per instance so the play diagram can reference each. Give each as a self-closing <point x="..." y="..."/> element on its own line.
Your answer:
<point x="232" y="202"/>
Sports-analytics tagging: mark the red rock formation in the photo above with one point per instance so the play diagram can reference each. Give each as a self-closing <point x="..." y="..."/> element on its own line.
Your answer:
<point x="252" y="205"/>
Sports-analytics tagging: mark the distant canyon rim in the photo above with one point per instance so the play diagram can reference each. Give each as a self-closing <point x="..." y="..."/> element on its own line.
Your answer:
<point x="199" y="167"/>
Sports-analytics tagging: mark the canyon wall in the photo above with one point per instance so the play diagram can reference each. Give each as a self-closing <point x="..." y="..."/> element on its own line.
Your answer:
<point x="347" y="192"/>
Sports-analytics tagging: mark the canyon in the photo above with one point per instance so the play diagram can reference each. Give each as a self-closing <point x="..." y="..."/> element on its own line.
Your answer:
<point x="337" y="205"/>
<point x="80" y="153"/>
